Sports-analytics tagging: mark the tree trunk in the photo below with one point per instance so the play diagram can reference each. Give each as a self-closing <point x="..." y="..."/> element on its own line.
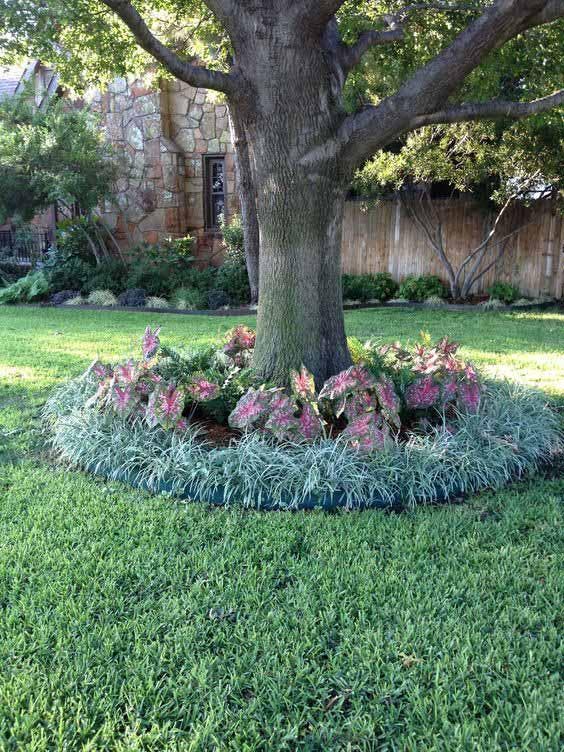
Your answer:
<point x="291" y="122"/>
<point x="300" y="316"/>
<point x="247" y="200"/>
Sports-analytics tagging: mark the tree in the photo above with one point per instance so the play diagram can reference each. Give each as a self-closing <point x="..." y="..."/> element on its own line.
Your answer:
<point x="285" y="81"/>
<point x="51" y="156"/>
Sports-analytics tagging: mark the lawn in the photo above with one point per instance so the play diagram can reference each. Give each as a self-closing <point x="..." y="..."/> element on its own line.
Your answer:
<point x="130" y="622"/>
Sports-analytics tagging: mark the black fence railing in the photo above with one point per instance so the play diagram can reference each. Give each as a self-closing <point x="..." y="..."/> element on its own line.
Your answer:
<point x="25" y="245"/>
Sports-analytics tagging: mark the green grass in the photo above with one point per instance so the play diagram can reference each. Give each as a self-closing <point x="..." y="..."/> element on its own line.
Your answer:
<point x="130" y="622"/>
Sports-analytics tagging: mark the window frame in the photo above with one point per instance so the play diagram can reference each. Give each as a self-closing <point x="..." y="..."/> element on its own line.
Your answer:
<point x="207" y="162"/>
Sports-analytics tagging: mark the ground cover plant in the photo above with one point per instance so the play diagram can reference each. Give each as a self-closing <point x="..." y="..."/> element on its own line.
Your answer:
<point x="171" y="627"/>
<point x="399" y="427"/>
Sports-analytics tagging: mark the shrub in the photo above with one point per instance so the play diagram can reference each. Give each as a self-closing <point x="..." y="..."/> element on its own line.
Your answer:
<point x="102" y="298"/>
<point x="505" y="292"/>
<point x="154" y="302"/>
<point x="218" y="299"/>
<point x="233" y="280"/>
<point x="365" y="287"/>
<point x="134" y="298"/>
<point x="62" y="297"/>
<point x="161" y="268"/>
<point x="511" y="434"/>
<point x="111" y="275"/>
<point x="420" y="288"/>
<point x="79" y="300"/>
<point x="233" y="237"/>
<point x="33" y="286"/>
<point x="189" y="299"/>
<point x="67" y="273"/>
<point x="434" y="300"/>
<point x="492" y="304"/>
<point x="199" y="279"/>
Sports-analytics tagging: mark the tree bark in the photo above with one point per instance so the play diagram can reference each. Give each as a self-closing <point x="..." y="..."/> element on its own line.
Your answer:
<point x="300" y="315"/>
<point x="247" y="200"/>
<point x="295" y="109"/>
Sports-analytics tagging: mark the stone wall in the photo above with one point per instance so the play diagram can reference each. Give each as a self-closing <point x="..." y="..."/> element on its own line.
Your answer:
<point x="163" y="132"/>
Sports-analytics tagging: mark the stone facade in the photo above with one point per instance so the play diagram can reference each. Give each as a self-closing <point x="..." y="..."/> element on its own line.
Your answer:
<point x="164" y="133"/>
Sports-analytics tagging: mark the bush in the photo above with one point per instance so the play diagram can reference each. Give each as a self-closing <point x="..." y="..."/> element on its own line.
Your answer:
<point x="218" y="299"/>
<point x="61" y="297"/>
<point x="102" y="298"/>
<point x="79" y="300"/>
<point x="161" y="268"/>
<point x="233" y="279"/>
<point x="33" y="286"/>
<point x="189" y="299"/>
<point x="155" y="302"/>
<point x="434" y="301"/>
<point x="111" y="275"/>
<point x="505" y="292"/>
<point x="233" y="238"/>
<point x="134" y="298"/>
<point x="365" y="287"/>
<point x="420" y="288"/>
<point x="67" y="273"/>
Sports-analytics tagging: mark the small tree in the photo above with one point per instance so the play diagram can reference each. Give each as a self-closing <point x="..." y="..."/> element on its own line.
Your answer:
<point x="52" y="156"/>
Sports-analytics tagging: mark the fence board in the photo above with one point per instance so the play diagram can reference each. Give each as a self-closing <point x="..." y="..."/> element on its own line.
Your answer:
<point x="383" y="238"/>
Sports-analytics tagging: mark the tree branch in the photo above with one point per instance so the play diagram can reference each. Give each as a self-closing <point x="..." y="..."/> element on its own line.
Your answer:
<point x="431" y="86"/>
<point x="351" y="56"/>
<point x="492" y="109"/>
<point x="195" y="75"/>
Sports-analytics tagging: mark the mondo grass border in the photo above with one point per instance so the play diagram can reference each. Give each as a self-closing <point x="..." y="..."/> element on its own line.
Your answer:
<point x="513" y="434"/>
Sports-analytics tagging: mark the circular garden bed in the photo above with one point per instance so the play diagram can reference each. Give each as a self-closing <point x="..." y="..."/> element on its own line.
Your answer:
<point x="398" y="428"/>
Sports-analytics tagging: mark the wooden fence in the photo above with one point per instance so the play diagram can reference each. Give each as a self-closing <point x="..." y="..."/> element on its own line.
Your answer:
<point x="382" y="237"/>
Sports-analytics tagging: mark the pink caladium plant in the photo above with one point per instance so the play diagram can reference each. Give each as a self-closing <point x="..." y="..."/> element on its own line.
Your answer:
<point x="346" y="382"/>
<point x="469" y="395"/>
<point x="365" y="433"/>
<point x="252" y="406"/>
<point x="282" y="422"/>
<point x="124" y="400"/>
<point x="167" y="404"/>
<point x="388" y="400"/>
<point x="240" y="344"/>
<point x="449" y="390"/>
<point x="303" y="385"/>
<point x="310" y="424"/>
<point x="358" y="404"/>
<point x="127" y="373"/>
<point x="100" y="370"/>
<point x="151" y="342"/>
<point x="202" y="390"/>
<point x="422" y="394"/>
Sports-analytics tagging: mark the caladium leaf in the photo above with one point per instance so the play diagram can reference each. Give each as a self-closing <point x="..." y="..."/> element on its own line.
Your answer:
<point x="202" y="390"/>
<point x="303" y="384"/>
<point x="167" y="405"/>
<point x="150" y="342"/>
<point x="124" y="400"/>
<point x="422" y="393"/>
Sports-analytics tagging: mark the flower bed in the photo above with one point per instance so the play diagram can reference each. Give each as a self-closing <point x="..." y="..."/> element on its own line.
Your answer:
<point x="399" y="427"/>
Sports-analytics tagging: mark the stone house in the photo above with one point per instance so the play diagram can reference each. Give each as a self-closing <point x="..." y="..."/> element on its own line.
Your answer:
<point x="178" y="162"/>
<point x="178" y="173"/>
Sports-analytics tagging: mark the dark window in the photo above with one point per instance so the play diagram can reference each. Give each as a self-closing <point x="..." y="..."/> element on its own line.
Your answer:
<point x="214" y="191"/>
